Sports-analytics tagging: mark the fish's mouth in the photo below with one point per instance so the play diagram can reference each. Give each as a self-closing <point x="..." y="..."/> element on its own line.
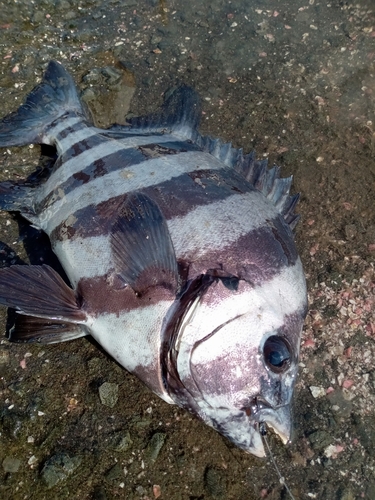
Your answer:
<point x="264" y="417"/>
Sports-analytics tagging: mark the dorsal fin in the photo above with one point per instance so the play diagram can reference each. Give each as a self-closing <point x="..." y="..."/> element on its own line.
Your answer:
<point x="179" y="114"/>
<point x="256" y="172"/>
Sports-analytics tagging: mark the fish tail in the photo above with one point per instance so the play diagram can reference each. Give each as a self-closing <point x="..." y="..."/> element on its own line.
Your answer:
<point x="52" y="98"/>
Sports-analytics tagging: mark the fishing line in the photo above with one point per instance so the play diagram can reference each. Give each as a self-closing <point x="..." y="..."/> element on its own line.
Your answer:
<point x="263" y="432"/>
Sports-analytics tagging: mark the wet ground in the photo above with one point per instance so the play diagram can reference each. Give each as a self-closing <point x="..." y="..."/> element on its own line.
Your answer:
<point x="294" y="80"/>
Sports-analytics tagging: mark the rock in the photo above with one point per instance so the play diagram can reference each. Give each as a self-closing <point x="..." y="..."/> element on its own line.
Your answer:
<point x="125" y="443"/>
<point x="317" y="392"/>
<point x="365" y="430"/>
<point x="88" y="95"/>
<point x="93" y="76"/>
<point x="320" y="440"/>
<point x="155" y="445"/>
<point x="141" y="490"/>
<point x="141" y="423"/>
<point x="108" y="394"/>
<point x="345" y="493"/>
<point x="4" y="357"/>
<point x="94" y="365"/>
<point x="62" y="5"/>
<point x="111" y="75"/>
<point x="115" y="473"/>
<point x="121" y="441"/>
<point x="58" y="468"/>
<point x="109" y="94"/>
<point x="38" y="17"/>
<point x="99" y="493"/>
<point x="214" y="483"/>
<point x="11" y="464"/>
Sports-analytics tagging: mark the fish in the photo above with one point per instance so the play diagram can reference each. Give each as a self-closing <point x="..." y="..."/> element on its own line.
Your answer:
<point x="178" y="251"/>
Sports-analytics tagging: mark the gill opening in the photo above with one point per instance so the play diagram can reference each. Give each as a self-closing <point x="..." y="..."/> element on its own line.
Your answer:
<point x="263" y="432"/>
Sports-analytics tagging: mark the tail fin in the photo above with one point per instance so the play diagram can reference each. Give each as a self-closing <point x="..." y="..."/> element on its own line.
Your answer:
<point x="53" y="97"/>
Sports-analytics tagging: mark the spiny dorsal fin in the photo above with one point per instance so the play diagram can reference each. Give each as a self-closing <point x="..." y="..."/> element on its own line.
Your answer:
<point x="256" y="172"/>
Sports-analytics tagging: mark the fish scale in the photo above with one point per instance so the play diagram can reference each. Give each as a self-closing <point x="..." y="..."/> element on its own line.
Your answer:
<point x="180" y="256"/>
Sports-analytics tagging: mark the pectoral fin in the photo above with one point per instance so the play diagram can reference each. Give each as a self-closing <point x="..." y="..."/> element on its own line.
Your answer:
<point x="39" y="291"/>
<point x="142" y="247"/>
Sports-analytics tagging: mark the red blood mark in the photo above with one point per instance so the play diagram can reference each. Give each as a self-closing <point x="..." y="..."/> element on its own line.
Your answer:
<point x="348" y="351"/>
<point x="347" y="383"/>
<point x="309" y="343"/>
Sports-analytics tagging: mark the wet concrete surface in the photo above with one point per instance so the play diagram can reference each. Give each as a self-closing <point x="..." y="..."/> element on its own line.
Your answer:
<point x="293" y="80"/>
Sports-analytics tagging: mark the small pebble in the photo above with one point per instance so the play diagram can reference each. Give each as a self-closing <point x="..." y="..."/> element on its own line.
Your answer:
<point x="317" y="392"/>
<point x="58" y="468"/>
<point x="155" y="445"/>
<point x="108" y="394"/>
<point x="11" y="464"/>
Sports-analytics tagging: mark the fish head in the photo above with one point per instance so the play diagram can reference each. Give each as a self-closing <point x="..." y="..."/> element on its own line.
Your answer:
<point x="234" y="358"/>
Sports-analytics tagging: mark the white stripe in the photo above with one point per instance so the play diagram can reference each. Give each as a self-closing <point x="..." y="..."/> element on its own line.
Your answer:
<point x="219" y="224"/>
<point x="107" y="147"/>
<point x="132" y="338"/>
<point x="74" y="137"/>
<point x="149" y="173"/>
<point x="60" y="126"/>
<point x="192" y="235"/>
<point x="84" y="257"/>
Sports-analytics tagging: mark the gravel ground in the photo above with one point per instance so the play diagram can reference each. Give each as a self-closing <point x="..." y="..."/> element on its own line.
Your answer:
<point x="294" y="80"/>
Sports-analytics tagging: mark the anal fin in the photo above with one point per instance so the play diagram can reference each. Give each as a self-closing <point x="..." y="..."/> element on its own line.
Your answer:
<point x="44" y="331"/>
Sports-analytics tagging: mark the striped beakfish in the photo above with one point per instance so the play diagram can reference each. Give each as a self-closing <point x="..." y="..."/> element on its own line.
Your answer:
<point x="180" y="256"/>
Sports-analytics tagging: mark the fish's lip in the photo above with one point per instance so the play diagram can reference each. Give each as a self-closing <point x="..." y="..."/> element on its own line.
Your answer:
<point x="278" y="419"/>
<point x="257" y="446"/>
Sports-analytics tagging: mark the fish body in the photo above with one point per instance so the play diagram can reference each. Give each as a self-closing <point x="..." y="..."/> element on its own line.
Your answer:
<point x="179" y="252"/>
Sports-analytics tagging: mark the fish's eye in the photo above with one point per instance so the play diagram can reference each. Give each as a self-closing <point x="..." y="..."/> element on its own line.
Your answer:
<point x="277" y="354"/>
